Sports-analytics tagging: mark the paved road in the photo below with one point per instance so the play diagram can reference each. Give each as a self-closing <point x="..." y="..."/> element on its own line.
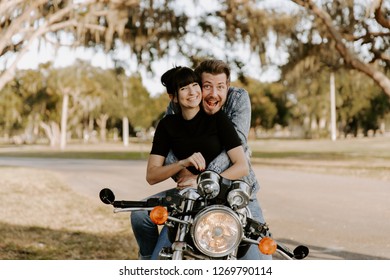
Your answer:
<point x="337" y="217"/>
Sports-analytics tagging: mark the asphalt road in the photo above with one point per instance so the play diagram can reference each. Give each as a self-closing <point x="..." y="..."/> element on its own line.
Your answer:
<point x="337" y="217"/>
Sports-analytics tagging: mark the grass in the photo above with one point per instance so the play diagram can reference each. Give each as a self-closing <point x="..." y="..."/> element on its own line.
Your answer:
<point x="125" y="155"/>
<point x="344" y="149"/>
<point x="44" y="243"/>
<point x="366" y="157"/>
<point x="42" y="218"/>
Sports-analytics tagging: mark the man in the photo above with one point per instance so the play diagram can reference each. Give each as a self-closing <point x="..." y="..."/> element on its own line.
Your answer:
<point x="235" y="102"/>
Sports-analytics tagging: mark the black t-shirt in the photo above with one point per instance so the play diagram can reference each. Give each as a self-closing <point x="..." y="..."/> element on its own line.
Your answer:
<point x="207" y="134"/>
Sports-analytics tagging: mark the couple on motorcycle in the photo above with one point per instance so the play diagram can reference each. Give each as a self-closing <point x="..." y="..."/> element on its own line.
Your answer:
<point x="206" y="127"/>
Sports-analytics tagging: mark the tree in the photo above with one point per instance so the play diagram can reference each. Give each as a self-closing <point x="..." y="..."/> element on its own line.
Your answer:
<point x="28" y="21"/>
<point x="359" y="32"/>
<point x="11" y="106"/>
<point x="147" y="27"/>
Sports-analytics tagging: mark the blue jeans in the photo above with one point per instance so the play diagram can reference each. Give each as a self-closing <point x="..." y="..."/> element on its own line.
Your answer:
<point x="150" y="241"/>
<point x="146" y="232"/>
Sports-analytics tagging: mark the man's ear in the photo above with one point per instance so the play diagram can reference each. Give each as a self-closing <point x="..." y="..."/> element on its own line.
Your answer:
<point x="170" y="97"/>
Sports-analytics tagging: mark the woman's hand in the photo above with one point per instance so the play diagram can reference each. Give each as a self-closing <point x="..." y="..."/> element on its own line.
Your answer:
<point x="196" y="160"/>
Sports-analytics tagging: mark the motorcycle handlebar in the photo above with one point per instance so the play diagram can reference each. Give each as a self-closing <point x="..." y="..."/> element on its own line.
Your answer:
<point x="299" y="252"/>
<point x="151" y="202"/>
<point x="108" y="197"/>
<point x="128" y="204"/>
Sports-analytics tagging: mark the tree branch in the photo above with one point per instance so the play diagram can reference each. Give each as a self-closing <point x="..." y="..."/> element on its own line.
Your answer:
<point x="350" y="58"/>
<point x="380" y="18"/>
<point x="52" y="23"/>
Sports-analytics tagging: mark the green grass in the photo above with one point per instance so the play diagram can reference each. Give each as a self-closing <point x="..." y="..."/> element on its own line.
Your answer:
<point x="322" y="149"/>
<point x="110" y="155"/>
<point x="365" y="157"/>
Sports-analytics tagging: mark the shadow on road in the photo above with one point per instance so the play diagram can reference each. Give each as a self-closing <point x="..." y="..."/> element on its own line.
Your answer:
<point x="323" y="253"/>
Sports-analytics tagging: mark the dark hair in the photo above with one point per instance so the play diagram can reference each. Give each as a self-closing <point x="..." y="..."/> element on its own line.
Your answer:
<point x="214" y="67"/>
<point x="167" y="79"/>
<point x="178" y="77"/>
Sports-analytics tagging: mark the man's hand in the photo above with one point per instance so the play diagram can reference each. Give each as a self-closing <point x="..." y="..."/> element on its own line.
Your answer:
<point x="183" y="173"/>
<point x="187" y="181"/>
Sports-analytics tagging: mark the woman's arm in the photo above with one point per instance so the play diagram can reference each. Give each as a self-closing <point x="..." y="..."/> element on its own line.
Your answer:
<point x="157" y="172"/>
<point x="239" y="167"/>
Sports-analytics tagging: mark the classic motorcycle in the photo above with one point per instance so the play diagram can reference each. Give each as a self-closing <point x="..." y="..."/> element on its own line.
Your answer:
<point x="212" y="221"/>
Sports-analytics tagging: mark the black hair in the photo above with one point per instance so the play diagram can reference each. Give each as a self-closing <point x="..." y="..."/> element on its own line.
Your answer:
<point x="178" y="77"/>
<point x="183" y="77"/>
<point x="167" y="79"/>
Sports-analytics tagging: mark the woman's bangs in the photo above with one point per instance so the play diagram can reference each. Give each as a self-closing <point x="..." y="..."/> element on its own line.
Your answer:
<point x="185" y="78"/>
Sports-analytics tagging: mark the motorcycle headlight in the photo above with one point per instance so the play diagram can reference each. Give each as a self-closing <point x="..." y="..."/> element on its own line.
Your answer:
<point x="216" y="231"/>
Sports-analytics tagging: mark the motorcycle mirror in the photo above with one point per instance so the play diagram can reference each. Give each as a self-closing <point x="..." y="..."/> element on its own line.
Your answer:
<point x="107" y="196"/>
<point x="301" y="252"/>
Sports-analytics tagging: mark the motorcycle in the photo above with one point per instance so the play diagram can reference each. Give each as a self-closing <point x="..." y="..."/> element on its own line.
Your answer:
<point x="212" y="221"/>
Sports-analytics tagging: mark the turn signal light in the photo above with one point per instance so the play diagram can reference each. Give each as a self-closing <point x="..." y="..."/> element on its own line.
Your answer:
<point x="159" y="215"/>
<point x="267" y="246"/>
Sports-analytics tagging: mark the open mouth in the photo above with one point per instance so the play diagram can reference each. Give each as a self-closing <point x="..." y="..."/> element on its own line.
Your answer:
<point x="211" y="103"/>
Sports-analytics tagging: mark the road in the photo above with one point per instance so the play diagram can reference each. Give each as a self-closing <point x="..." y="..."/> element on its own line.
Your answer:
<point x="337" y="217"/>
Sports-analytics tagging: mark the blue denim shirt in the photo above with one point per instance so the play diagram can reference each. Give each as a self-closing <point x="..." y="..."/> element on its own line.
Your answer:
<point x="238" y="109"/>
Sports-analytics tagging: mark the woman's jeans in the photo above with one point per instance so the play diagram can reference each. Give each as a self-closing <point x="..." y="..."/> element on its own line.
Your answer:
<point x="150" y="241"/>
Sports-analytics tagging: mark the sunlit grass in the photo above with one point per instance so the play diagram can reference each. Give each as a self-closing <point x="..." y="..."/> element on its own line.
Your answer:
<point x="111" y="155"/>
<point x="42" y="218"/>
<point x="43" y="243"/>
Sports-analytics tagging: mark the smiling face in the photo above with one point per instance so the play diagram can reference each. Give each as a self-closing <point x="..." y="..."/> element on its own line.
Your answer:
<point x="189" y="96"/>
<point x="214" y="91"/>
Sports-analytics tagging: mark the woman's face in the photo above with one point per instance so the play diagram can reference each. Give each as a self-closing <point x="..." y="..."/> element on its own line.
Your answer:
<point x="189" y="96"/>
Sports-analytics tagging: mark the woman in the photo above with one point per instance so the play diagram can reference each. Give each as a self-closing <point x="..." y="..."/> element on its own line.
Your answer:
<point x="194" y="137"/>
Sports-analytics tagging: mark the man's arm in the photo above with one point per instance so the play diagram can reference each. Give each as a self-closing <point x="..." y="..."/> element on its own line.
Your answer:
<point x="238" y="110"/>
<point x="171" y="109"/>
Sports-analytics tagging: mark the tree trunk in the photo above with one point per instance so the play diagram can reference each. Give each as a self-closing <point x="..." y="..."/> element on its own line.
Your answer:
<point x="102" y="123"/>
<point x="64" y="121"/>
<point x="52" y="132"/>
<point x="332" y="108"/>
<point x="125" y="131"/>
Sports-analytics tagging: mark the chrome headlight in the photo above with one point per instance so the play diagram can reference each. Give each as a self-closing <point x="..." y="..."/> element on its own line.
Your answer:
<point x="240" y="194"/>
<point x="208" y="184"/>
<point x="217" y="231"/>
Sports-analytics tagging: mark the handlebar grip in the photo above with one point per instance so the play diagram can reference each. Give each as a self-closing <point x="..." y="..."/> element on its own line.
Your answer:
<point x="129" y="204"/>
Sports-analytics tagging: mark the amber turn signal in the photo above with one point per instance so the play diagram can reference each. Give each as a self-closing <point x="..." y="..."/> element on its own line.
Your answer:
<point x="159" y="215"/>
<point x="267" y="246"/>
